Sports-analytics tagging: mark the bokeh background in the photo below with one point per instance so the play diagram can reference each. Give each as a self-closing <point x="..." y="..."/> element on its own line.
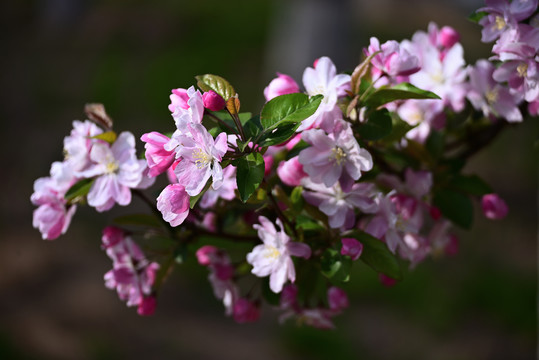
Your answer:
<point x="57" y="55"/>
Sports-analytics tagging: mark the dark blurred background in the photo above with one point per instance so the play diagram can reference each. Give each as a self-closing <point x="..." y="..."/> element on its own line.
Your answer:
<point x="58" y="55"/>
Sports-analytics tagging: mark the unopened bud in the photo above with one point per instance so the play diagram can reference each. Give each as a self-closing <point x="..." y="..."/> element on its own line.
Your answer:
<point x="213" y="101"/>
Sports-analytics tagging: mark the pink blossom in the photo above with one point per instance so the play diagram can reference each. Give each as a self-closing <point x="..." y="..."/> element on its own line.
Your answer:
<point x="132" y="275"/>
<point x="213" y="101"/>
<point x="178" y="100"/>
<point x="53" y="215"/>
<point x="503" y="15"/>
<point x="281" y="85"/>
<point x="245" y="311"/>
<point x="173" y="202"/>
<point x="442" y="71"/>
<point x="190" y="109"/>
<point x="200" y="159"/>
<point x="117" y="169"/>
<point x="337" y="299"/>
<point x="339" y="205"/>
<point x="226" y="191"/>
<point x="334" y="157"/>
<point x="273" y="258"/>
<point x="221" y="275"/>
<point x="494" y="207"/>
<point x="351" y="247"/>
<point x="391" y="59"/>
<point x="447" y="37"/>
<point x="159" y="159"/>
<point x="78" y="144"/>
<point x="425" y="115"/>
<point x="291" y="171"/>
<point x="490" y="97"/>
<point x="323" y="79"/>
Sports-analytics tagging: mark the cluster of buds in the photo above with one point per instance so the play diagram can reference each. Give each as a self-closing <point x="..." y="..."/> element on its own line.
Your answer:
<point x="361" y="167"/>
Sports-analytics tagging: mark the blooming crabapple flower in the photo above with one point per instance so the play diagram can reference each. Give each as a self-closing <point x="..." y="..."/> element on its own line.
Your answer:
<point x="440" y="240"/>
<point x="225" y="191"/>
<point x="245" y="311"/>
<point x="117" y="169"/>
<point x="487" y="95"/>
<point x="494" y="207"/>
<point x="159" y="159"/>
<point x="273" y="258"/>
<point x="221" y="273"/>
<point x="398" y="215"/>
<point x="416" y="248"/>
<point x="522" y="76"/>
<point x="337" y="299"/>
<point x="425" y="115"/>
<point x="78" y="144"/>
<point x="291" y="171"/>
<point x="173" y="202"/>
<point x="339" y="205"/>
<point x="503" y="15"/>
<point x="53" y="215"/>
<point x="334" y="157"/>
<point x="132" y="275"/>
<point x="416" y="183"/>
<point x="391" y="59"/>
<point x="351" y="247"/>
<point x="442" y="73"/>
<point x="213" y="101"/>
<point x="323" y="79"/>
<point x="281" y="85"/>
<point x="178" y="100"/>
<point x="190" y="109"/>
<point x="200" y="158"/>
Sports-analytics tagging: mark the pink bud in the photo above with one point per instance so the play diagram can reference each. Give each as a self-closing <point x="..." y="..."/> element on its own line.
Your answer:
<point x="245" y="311"/>
<point x="351" y="247"/>
<point x="291" y="172"/>
<point x="223" y="271"/>
<point x="112" y="236"/>
<point x="289" y="296"/>
<point x="205" y="253"/>
<point x="494" y="207"/>
<point x="213" y="101"/>
<point x="268" y="164"/>
<point x="447" y="37"/>
<point x="435" y="213"/>
<point x="337" y="299"/>
<point x="386" y="280"/>
<point x="147" y="306"/>
<point x="452" y="246"/>
<point x="281" y="85"/>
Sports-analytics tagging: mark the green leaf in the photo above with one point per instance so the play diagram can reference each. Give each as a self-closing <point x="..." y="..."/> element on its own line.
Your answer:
<point x="250" y="172"/>
<point x="296" y="199"/>
<point x="476" y="16"/>
<point x="470" y="184"/>
<point x="109" y="136"/>
<point x="216" y="83"/>
<point x="377" y="256"/>
<point x="279" y="134"/>
<point x="400" y="91"/>
<point x="378" y="125"/>
<point x="252" y="127"/>
<point x="288" y="108"/>
<point x="335" y="266"/>
<point x="399" y="128"/>
<point x="455" y="206"/>
<point x="80" y="188"/>
<point x="138" y="219"/>
<point x="307" y="223"/>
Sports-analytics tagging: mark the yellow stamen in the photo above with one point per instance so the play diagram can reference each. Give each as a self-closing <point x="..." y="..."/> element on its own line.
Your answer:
<point x="112" y="167"/>
<point x="339" y="155"/>
<point x="491" y="96"/>
<point x="272" y="252"/>
<point x="500" y="23"/>
<point x="201" y="158"/>
<point x="522" y="70"/>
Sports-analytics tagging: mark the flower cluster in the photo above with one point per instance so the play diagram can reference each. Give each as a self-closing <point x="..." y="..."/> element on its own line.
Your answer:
<point x="355" y="167"/>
